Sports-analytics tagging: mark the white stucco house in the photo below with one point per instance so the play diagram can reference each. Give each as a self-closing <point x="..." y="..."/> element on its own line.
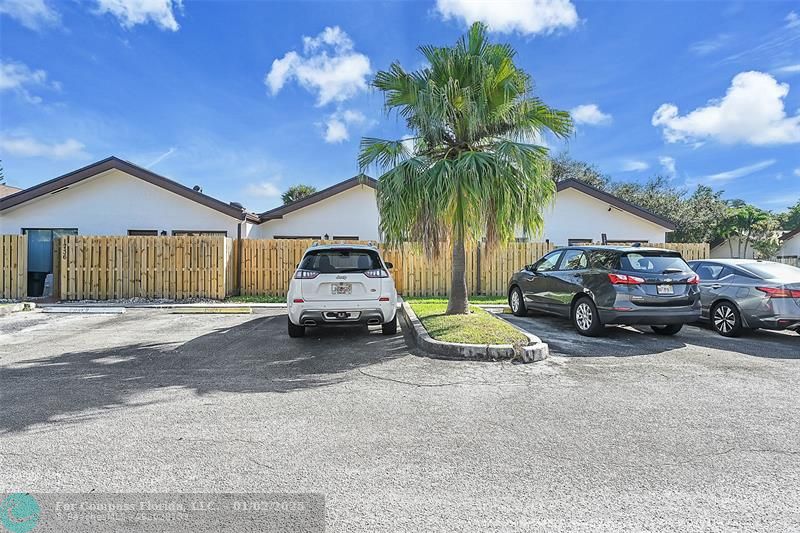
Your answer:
<point x="115" y="197"/>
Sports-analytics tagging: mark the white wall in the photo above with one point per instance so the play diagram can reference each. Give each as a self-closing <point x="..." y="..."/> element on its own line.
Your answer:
<point x="353" y="212"/>
<point x="791" y="247"/>
<point x="576" y="215"/>
<point x="111" y="203"/>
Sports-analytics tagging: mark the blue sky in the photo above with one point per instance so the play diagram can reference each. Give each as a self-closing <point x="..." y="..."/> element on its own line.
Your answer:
<point x="248" y="98"/>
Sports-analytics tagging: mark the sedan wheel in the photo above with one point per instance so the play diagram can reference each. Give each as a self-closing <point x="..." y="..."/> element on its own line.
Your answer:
<point x="725" y="320"/>
<point x="516" y="302"/>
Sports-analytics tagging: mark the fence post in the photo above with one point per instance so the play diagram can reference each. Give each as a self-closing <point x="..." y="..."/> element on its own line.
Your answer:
<point x="478" y="287"/>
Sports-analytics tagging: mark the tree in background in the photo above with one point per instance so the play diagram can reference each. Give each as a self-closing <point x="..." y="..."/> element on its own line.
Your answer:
<point x="791" y="218"/>
<point x="749" y="224"/>
<point x="563" y="167"/>
<point x="2" y="174"/>
<point x="766" y="238"/>
<point x="297" y="192"/>
<point x="474" y="169"/>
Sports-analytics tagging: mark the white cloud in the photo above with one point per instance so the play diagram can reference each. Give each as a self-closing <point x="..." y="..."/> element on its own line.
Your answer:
<point x="590" y="114"/>
<point x="33" y="14"/>
<point x="30" y="147"/>
<point x="792" y="20"/>
<point x="797" y="172"/>
<point x="265" y="189"/>
<point x="336" y="125"/>
<point x="740" y="172"/>
<point x="709" y="46"/>
<point x="336" y="131"/>
<point x="18" y="77"/>
<point x="632" y="165"/>
<point x="133" y="12"/>
<point x="789" y="69"/>
<point x="507" y="16"/>
<point x="328" y="67"/>
<point x="751" y="112"/>
<point x="668" y="164"/>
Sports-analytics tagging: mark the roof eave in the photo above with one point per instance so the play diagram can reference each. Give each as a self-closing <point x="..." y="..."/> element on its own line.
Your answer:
<point x="114" y="163"/>
<point x="616" y="202"/>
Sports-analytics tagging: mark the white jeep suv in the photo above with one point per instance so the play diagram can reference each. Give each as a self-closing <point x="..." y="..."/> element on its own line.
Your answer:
<point x="342" y="284"/>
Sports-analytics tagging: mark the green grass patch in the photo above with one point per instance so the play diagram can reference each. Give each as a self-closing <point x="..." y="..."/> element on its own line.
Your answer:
<point x="499" y="300"/>
<point x="478" y="327"/>
<point x="256" y="299"/>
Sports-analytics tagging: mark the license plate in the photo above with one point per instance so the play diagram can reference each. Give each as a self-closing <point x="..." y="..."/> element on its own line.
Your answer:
<point x="664" y="289"/>
<point x="342" y="288"/>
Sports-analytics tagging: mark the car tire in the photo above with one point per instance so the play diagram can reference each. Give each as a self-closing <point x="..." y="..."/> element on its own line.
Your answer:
<point x="586" y="319"/>
<point x="726" y="319"/>
<point x="517" y="302"/>
<point x="296" y="331"/>
<point x="671" y="329"/>
<point x="390" y="328"/>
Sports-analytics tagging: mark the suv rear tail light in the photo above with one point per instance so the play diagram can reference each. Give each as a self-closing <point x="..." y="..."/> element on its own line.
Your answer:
<point x="624" y="279"/>
<point x="694" y="280"/>
<point x="383" y="299"/>
<point x="305" y="274"/>
<point x="775" y="292"/>
<point x="376" y="273"/>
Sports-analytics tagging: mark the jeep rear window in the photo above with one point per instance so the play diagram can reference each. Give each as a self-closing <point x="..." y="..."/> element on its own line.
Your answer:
<point x="653" y="262"/>
<point x="339" y="261"/>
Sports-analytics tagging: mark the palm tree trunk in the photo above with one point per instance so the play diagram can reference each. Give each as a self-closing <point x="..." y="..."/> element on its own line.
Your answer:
<point x="458" y="304"/>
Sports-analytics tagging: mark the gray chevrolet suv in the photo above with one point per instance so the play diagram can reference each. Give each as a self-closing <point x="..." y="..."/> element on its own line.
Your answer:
<point x="599" y="285"/>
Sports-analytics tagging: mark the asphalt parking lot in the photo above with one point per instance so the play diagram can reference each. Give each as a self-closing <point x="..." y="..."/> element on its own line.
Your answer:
<point x="698" y="434"/>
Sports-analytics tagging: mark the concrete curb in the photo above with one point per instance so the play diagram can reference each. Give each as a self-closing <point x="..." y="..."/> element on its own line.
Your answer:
<point x="67" y="310"/>
<point x="165" y="305"/>
<point x="7" y="309"/>
<point x="536" y="350"/>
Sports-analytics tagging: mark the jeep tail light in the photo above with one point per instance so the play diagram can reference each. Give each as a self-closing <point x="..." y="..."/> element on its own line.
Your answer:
<point x="376" y="273"/>
<point x="694" y="280"/>
<point x="305" y="274"/>
<point x="776" y="292"/>
<point x="624" y="279"/>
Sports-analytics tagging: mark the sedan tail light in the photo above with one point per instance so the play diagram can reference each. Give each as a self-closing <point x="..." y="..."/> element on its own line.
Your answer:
<point x="777" y="292"/>
<point x="624" y="279"/>
<point x="305" y="274"/>
<point x="376" y="273"/>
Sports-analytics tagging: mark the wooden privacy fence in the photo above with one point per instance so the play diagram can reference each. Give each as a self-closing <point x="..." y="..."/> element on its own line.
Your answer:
<point x="13" y="266"/>
<point x="103" y="268"/>
<point x="268" y="265"/>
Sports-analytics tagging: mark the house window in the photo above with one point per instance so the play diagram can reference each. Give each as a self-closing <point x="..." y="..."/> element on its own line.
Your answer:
<point x="196" y="232"/>
<point x="578" y="242"/>
<point x="345" y="237"/>
<point x="142" y="232"/>
<point x="627" y="241"/>
<point x="298" y="237"/>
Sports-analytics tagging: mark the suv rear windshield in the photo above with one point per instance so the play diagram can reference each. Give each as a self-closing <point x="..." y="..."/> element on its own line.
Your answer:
<point x="338" y="261"/>
<point x="653" y="262"/>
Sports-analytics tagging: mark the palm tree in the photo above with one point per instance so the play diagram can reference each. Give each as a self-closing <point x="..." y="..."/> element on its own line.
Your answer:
<point x="744" y="220"/>
<point x="297" y="192"/>
<point x="472" y="167"/>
